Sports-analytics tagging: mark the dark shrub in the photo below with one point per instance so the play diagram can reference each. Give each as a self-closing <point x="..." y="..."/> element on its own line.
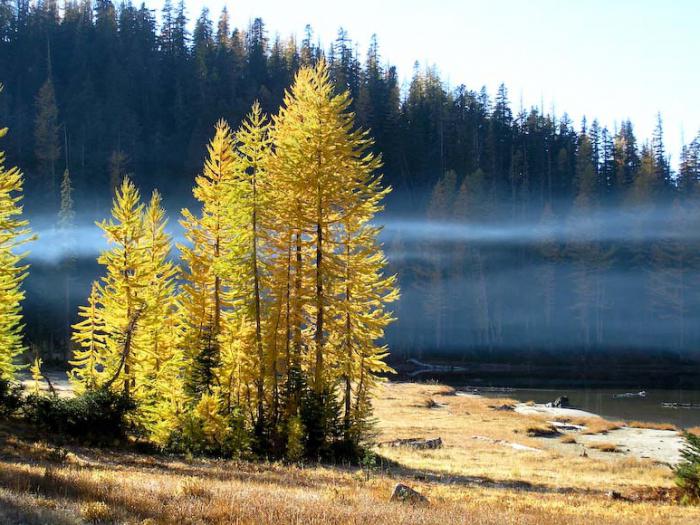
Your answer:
<point x="97" y="416"/>
<point x="10" y="397"/>
<point x="319" y="417"/>
<point x="688" y="471"/>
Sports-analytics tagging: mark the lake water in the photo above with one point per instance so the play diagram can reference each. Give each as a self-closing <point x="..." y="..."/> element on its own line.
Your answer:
<point x="610" y="404"/>
<point x="601" y="391"/>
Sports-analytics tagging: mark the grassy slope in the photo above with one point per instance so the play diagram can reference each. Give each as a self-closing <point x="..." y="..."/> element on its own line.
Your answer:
<point x="477" y="481"/>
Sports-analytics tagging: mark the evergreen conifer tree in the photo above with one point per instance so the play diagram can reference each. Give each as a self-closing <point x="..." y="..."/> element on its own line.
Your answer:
<point x="14" y="233"/>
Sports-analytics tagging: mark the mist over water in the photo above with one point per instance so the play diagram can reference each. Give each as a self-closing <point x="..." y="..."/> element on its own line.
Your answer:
<point x="617" y="280"/>
<point x="609" y="225"/>
<point x="480" y="288"/>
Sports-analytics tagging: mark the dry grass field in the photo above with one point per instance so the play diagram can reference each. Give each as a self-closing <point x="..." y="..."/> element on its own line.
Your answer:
<point x="489" y="471"/>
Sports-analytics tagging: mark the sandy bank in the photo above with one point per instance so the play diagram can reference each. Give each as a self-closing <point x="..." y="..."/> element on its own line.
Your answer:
<point x="663" y="446"/>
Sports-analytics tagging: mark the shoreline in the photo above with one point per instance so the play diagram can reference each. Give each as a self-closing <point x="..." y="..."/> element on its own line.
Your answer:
<point x="659" y="445"/>
<point x="613" y="375"/>
<point x="679" y="408"/>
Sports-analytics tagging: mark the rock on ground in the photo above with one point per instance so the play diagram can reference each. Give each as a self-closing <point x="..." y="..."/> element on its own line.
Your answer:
<point x="406" y="494"/>
<point x="417" y="443"/>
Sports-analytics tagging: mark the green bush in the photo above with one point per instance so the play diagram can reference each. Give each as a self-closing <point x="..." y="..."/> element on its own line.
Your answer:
<point x="688" y="471"/>
<point x="97" y="416"/>
<point x="206" y="430"/>
<point x="10" y="397"/>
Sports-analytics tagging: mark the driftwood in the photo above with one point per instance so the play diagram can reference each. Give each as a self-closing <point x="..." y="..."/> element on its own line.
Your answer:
<point x="424" y="368"/>
<point x="692" y="406"/>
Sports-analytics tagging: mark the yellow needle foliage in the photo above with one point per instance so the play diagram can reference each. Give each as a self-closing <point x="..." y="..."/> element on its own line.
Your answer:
<point x="206" y="258"/>
<point x="122" y="297"/>
<point x="129" y="336"/>
<point x="276" y="327"/>
<point x="89" y="335"/>
<point x="14" y="233"/>
<point x="324" y="167"/>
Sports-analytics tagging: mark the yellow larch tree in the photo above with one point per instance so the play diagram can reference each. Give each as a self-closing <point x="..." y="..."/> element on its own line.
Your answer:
<point x="321" y="160"/>
<point x="14" y="233"/>
<point x="206" y="258"/>
<point x="291" y="279"/>
<point x="249" y="209"/>
<point x="157" y="368"/>
<point x="283" y="306"/>
<point x="123" y="285"/>
<point x="367" y="291"/>
<point x="327" y="282"/>
<point x="89" y="335"/>
<point x="122" y="305"/>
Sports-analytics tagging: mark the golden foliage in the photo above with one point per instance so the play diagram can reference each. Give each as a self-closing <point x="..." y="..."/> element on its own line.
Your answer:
<point x="14" y="233"/>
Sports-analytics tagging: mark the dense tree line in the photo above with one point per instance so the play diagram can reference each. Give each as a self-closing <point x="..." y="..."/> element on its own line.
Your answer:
<point x="103" y="90"/>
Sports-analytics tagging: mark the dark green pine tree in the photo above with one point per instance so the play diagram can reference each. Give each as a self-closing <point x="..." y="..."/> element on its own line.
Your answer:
<point x="608" y="176"/>
<point x="626" y="156"/>
<point x="46" y="136"/>
<point x="663" y="168"/>
<point x="689" y="170"/>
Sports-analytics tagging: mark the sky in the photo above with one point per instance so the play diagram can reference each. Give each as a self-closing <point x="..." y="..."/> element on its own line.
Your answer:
<point x="605" y="59"/>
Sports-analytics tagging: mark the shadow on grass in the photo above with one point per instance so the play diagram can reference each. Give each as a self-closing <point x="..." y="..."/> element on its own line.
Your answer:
<point x="14" y="511"/>
<point x="67" y="479"/>
<point x="396" y="469"/>
<point x="68" y="485"/>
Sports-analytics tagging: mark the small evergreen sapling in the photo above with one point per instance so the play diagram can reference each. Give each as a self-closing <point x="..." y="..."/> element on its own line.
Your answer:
<point x="688" y="471"/>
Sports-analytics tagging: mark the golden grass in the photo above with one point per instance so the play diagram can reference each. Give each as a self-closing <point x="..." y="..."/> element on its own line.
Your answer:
<point x="568" y="439"/>
<point x="267" y="494"/>
<point x="694" y="430"/>
<point x="603" y="446"/>
<point x="480" y="481"/>
<point x="652" y="426"/>
<point x="96" y="512"/>
<point x="593" y="425"/>
<point x="541" y="430"/>
<point x="465" y="417"/>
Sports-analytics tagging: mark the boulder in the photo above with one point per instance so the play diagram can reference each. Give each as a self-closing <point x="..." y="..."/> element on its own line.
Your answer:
<point x="560" y="402"/>
<point x="613" y="494"/>
<point x="406" y="494"/>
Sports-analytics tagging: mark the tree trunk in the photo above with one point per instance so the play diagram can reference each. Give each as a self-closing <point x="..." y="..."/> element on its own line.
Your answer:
<point x="318" y="372"/>
<point x="258" y="329"/>
<point x="348" y="344"/>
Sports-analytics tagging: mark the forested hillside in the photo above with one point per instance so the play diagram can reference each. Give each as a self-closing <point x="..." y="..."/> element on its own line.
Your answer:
<point x="101" y="88"/>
